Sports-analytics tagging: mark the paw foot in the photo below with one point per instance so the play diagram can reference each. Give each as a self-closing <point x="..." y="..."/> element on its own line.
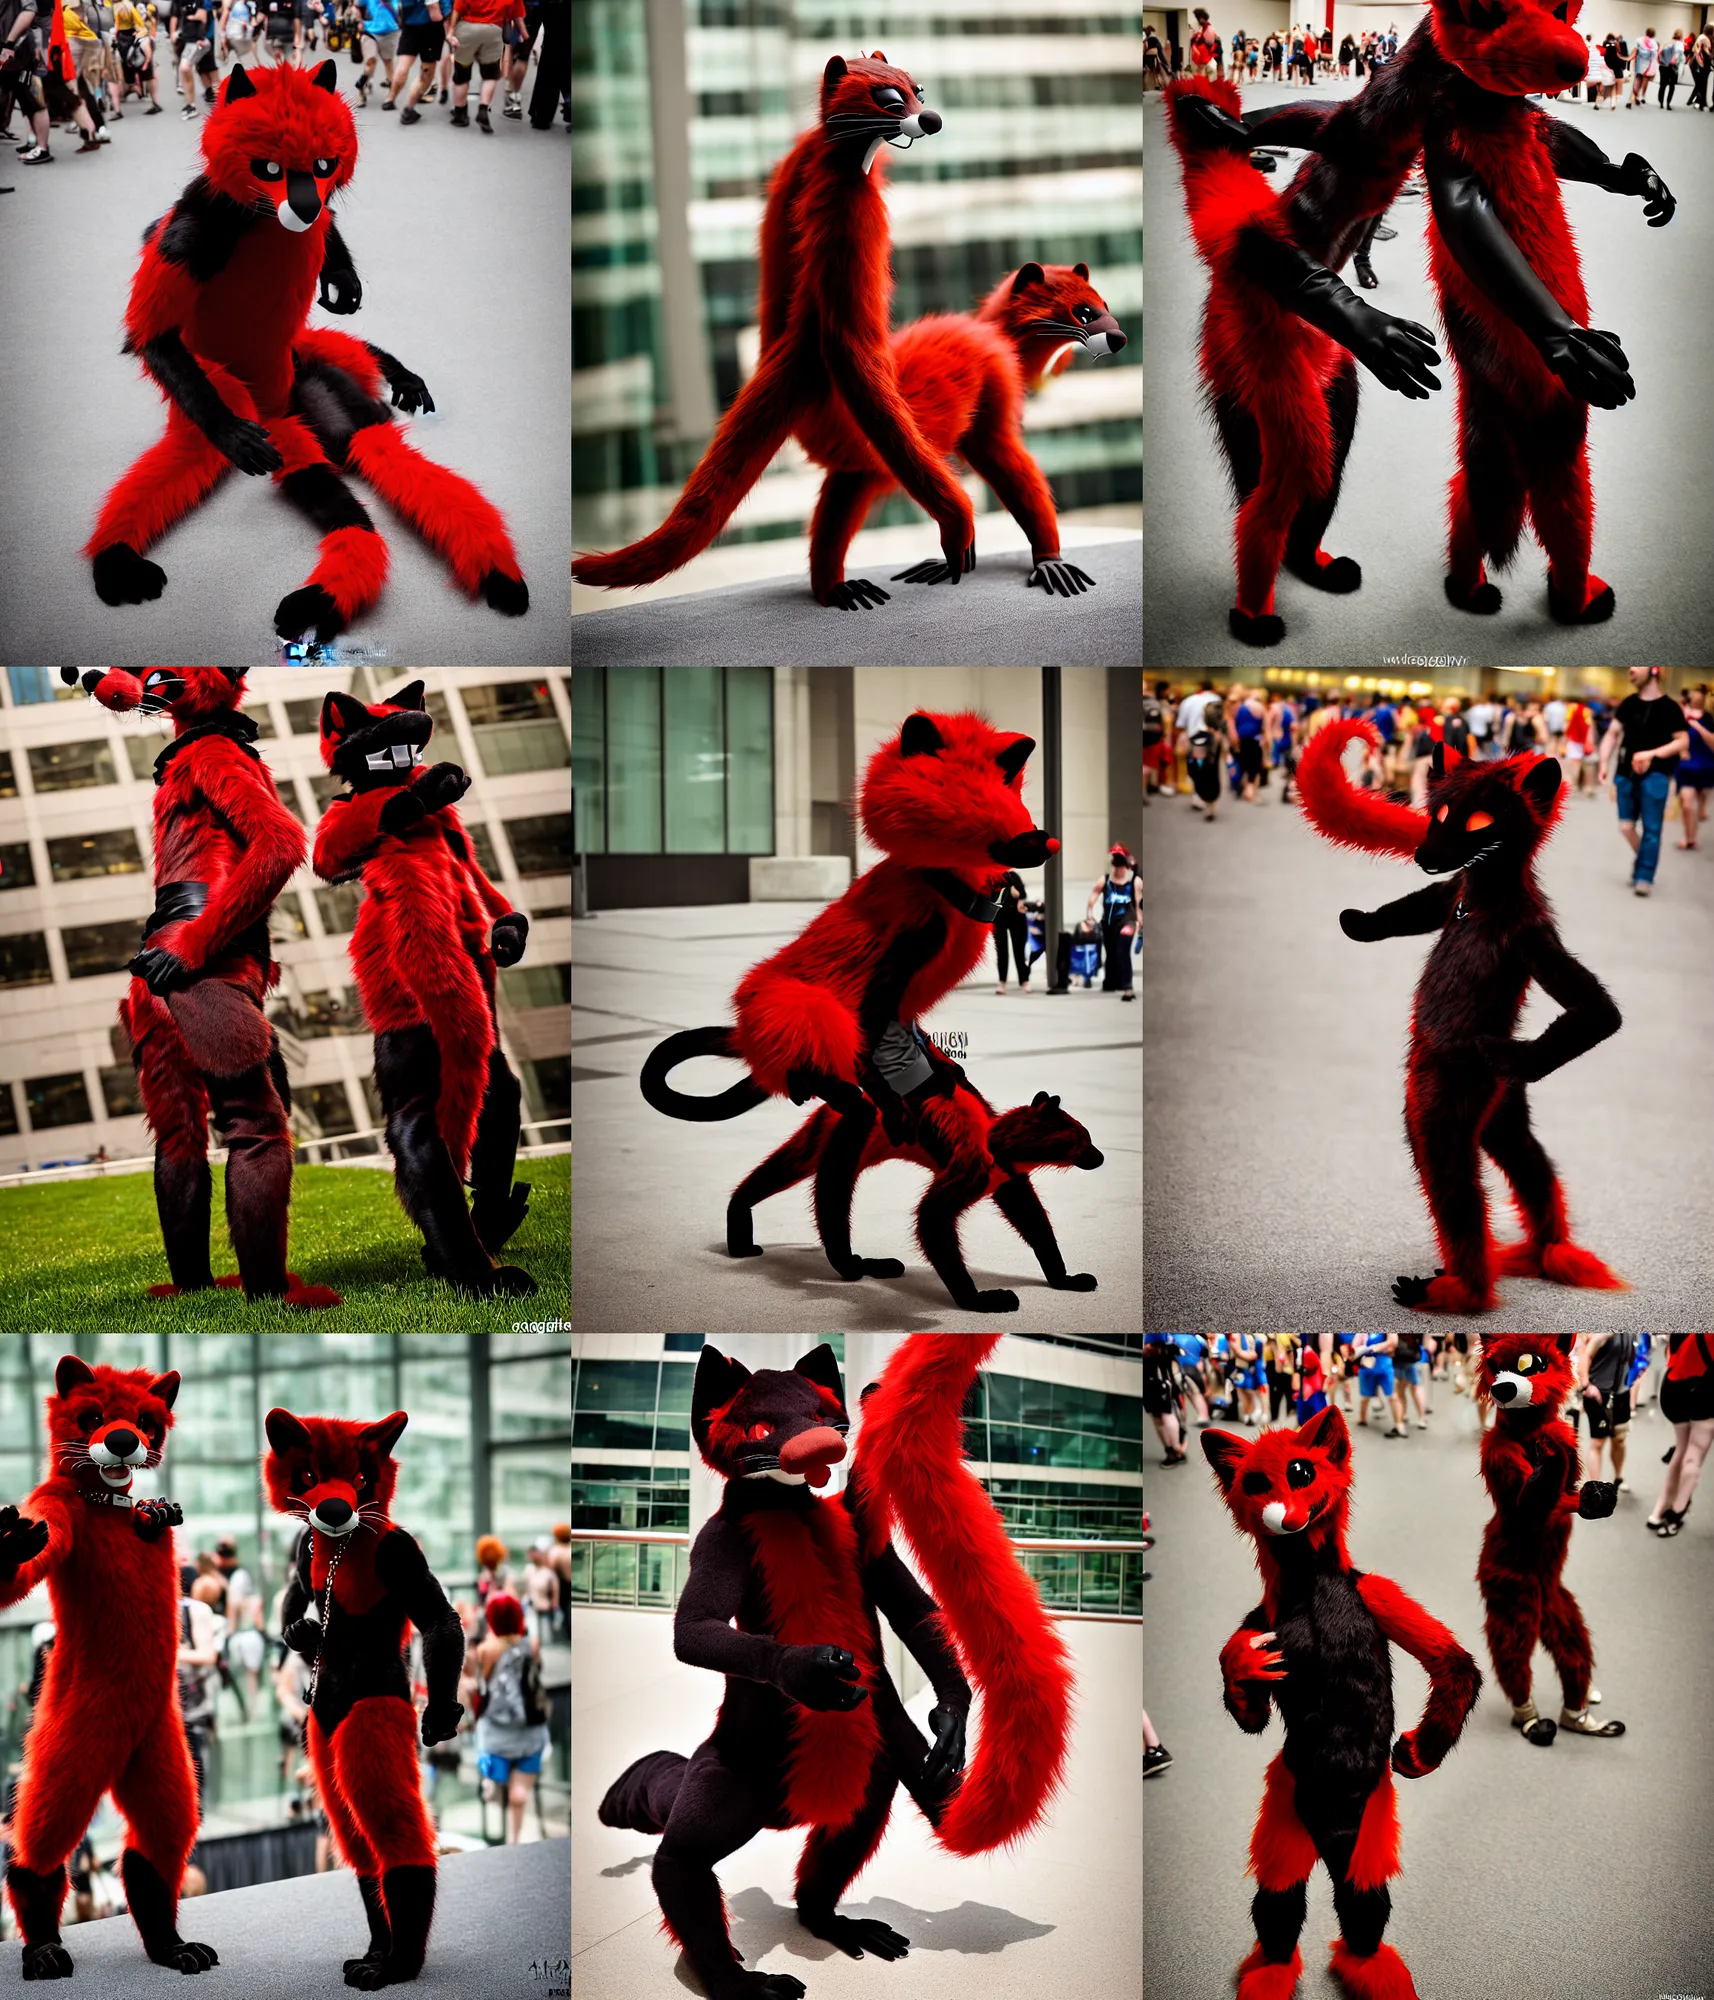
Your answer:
<point x="1484" y="599"/>
<point x="1441" y="1294"/>
<point x="997" y="1301"/>
<point x="1262" y="630"/>
<point x="857" y="593"/>
<point x="507" y="594"/>
<point x="1596" y="609"/>
<point x="743" y="1249"/>
<point x="47" y="1961"/>
<point x="1339" y="575"/>
<point x="1059" y="578"/>
<point x="310" y="1298"/>
<point x="309" y="610"/>
<point x="882" y="1267"/>
<point x="368" y="1958"/>
<point x="856" y="1935"/>
<point x="122" y="576"/>
<point x="1541" y="1732"/>
<point x="1075" y="1281"/>
<point x="187" y="1957"/>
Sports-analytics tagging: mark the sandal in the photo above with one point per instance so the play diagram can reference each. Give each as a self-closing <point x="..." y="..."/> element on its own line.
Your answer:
<point x="1584" y="1724"/>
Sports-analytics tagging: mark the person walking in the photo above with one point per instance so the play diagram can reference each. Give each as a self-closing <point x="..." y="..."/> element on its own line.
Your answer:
<point x="477" y="39"/>
<point x="1671" y="54"/>
<point x="1011" y="925"/>
<point x="1701" y="59"/>
<point x="1643" y="64"/>
<point x="1647" y="736"/>
<point x="1603" y="1382"/>
<point x="1156" y="1756"/>
<point x="511" y="1716"/>
<point x="422" y="40"/>
<point x="1163" y="1394"/>
<point x="1157" y="754"/>
<point x="1696" y="766"/>
<point x="1410" y="1368"/>
<point x="1207" y="747"/>
<point x="1113" y="904"/>
<point x="1687" y="1403"/>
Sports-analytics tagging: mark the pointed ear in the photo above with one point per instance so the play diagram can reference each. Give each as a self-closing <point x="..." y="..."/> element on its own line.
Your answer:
<point x="340" y="714"/>
<point x="1565" y="1342"/>
<point x="285" y="1433"/>
<point x="72" y="1374"/>
<point x="876" y="56"/>
<point x="408" y="697"/>
<point x="1225" y="1452"/>
<point x="831" y="75"/>
<point x="166" y="1387"/>
<point x="1082" y="270"/>
<point x="1540" y="783"/>
<point x="1326" y="1432"/>
<point x="238" y="85"/>
<point x="1437" y="762"/>
<point x="920" y="738"/>
<point x="327" y="77"/>
<point x="718" y="1380"/>
<point x="1041" y="1097"/>
<point x="1031" y="274"/>
<point x="384" y="1433"/>
<point x="821" y="1366"/>
<point x="1015" y="756"/>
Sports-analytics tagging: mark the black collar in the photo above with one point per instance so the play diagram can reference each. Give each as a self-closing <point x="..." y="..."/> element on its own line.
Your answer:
<point x="237" y="728"/>
<point x="964" y="899"/>
<point x="105" y="1499"/>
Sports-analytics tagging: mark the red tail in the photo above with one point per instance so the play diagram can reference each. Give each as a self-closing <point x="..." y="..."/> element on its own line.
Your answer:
<point x="1339" y="811"/>
<point x="750" y="433"/>
<point x="909" y="1465"/>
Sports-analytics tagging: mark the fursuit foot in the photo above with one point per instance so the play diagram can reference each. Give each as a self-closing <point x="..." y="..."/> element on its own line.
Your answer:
<point x="1567" y="1263"/>
<point x="1338" y="574"/>
<point x="182" y="1956"/>
<point x="1074" y="1281"/>
<point x="309" y="611"/>
<point x="1580" y="1722"/>
<point x="509" y="595"/>
<point x="854" y="1935"/>
<point x="47" y="1961"/>
<point x="997" y="1301"/>
<point x="1483" y="597"/>
<point x="1596" y="607"/>
<point x="369" y="1975"/>
<point x="1535" y="1728"/>
<point x="1263" y="1978"/>
<point x="122" y="576"/>
<point x="853" y="1268"/>
<point x="1372" y="1975"/>
<point x="1442" y="1294"/>
<point x="1262" y="630"/>
<point x="857" y="593"/>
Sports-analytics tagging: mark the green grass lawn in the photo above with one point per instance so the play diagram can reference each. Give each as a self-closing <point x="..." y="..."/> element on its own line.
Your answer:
<point x="79" y="1256"/>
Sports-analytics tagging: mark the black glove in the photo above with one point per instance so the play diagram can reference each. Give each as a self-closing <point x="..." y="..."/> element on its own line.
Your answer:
<point x="506" y="939"/>
<point x="1059" y="578"/>
<point x="248" y="446"/>
<point x="1596" y="1499"/>
<point x="402" y="811"/>
<point x="440" y="1721"/>
<point x="1591" y="365"/>
<point x="1206" y="124"/>
<point x="946" y="1759"/>
<point x="441" y="785"/>
<point x="410" y="392"/>
<point x="160" y="970"/>
<point x="1509" y="1058"/>
<point x="823" y="1677"/>
<point x="1397" y="352"/>
<point x="1634" y="176"/>
<point x="1357" y="925"/>
<point x="303" y="1635"/>
<point x="20" y="1540"/>
<point x="341" y="291"/>
<point x="150" y="1519"/>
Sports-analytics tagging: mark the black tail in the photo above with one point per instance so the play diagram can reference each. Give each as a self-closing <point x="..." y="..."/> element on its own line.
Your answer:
<point x="681" y="1047"/>
<point x="641" y="1797"/>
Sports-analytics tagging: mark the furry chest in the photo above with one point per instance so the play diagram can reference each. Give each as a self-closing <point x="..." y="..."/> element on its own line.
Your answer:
<point x="247" y="315"/>
<point x="1337" y="1698"/>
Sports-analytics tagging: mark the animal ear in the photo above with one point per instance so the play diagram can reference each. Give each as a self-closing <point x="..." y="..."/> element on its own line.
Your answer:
<point x="238" y="85"/>
<point x="877" y="56"/>
<point x="1540" y="783"/>
<point x="327" y="77"/>
<point x="339" y="713"/>
<point x="1565" y="1342"/>
<point x="718" y="1380"/>
<point x="285" y="1432"/>
<point x="1326" y="1432"/>
<point x="830" y="76"/>
<point x="920" y="738"/>
<point x="1015" y="756"/>
<point x="821" y="1366"/>
<point x="1041" y="1097"/>
<point x="408" y="697"/>
<point x="384" y="1433"/>
<point x="1082" y="270"/>
<point x="1225" y="1452"/>
<point x="72" y="1374"/>
<point x="1031" y="274"/>
<point x="166" y="1387"/>
<point x="1437" y="762"/>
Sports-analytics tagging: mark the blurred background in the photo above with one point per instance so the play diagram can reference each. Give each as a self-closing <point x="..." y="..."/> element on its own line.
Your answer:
<point x="682" y="108"/>
<point x="482" y="1486"/>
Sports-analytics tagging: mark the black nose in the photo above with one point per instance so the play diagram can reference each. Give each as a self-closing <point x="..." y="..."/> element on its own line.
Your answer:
<point x="1115" y="340"/>
<point x="334" y="1512"/>
<point x="1570" y="70"/>
<point x="1023" y="850"/>
<point x="303" y="197"/>
<point x="929" y="120"/>
<point x="1089" y="1159"/>
<point x="1504" y="1391"/>
<point x="121" y="1442"/>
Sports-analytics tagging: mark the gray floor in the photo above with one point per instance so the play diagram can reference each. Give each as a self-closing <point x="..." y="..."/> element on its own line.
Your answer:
<point x="462" y="243"/>
<point x="1578" y="1872"/>
<point x="990" y="618"/>
<point x="649" y="1221"/>
<point x="1279" y="1192"/>
<point x="1650" y="461"/>
<point x="502" y="1924"/>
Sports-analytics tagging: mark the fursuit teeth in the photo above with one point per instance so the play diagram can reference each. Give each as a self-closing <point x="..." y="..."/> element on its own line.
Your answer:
<point x="909" y="1470"/>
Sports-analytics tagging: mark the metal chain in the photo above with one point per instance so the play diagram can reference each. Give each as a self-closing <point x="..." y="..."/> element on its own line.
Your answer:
<point x="326" y="1617"/>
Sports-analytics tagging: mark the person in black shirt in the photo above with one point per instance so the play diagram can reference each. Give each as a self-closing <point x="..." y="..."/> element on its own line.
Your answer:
<point x="195" y="48"/>
<point x="1011" y="925"/>
<point x="1646" y="737"/>
<point x="1605" y="1381"/>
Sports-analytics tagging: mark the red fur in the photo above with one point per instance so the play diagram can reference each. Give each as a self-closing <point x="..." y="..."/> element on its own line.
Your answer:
<point x="1380" y="1975"/>
<point x="1260" y="1978"/>
<point x="108" y="1719"/>
<point x="826" y="354"/>
<point x="368" y="1778"/>
<point x="909" y="1468"/>
<point x="1452" y="1687"/>
<point x="1369" y="822"/>
<point x="1281" y="1852"/>
<point x="456" y="520"/>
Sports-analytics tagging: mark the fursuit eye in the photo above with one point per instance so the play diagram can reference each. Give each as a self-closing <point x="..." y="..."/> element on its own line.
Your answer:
<point x="1477" y="821"/>
<point x="1524" y="1363"/>
<point x="1300" y="1473"/>
<point x="1255" y="1482"/>
<point x="1444" y="810"/>
<point x="87" y="1420"/>
<point x="890" y="99"/>
<point x="759" y="1433"/>
<point x="1085" y="313"/>
<point x="266" y="170"/>
<point x="323" y="168"/>
<point x="305" y="1479"/>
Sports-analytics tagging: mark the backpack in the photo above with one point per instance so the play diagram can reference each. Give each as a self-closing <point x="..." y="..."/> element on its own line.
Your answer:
<point x="514" y="1693"/>
<point x="1409" y="1349"/>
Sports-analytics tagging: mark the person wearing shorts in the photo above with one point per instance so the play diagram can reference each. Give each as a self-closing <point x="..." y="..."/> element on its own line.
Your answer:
<point x="1410" y="1369"/>
<point x="1696" y="766"/>
<point x="380" y="45"/>
<point x="1157" y="749"/>
<point x="1375" y="1377"/>
<point x="1604" y="1382"/>
<point x="1687" y="1403"/>
<point x="477" y="39"/>
<point x="279" y="20"/>
<point x="518" y="60"/>
<point x="1311" y="1384"/>
<point x="422" y="39"/>
<point x="1163" y="1395"/>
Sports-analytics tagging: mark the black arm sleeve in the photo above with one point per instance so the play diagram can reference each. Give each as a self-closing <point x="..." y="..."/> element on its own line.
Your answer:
<point x="915" y="1616"/>
<point x="1474" y="233"/>
<point x="299" y="1597"/>
<point x="1422" y="911"/>
<point x="1304" y="286"/>
<point x="203" y="230"/>
<point x="178" y="371"/>
<point x="1590" y="1012"/>
<point x="403" y="1568"/>
<point x="1299" y="125"/>
<point x="903" y="959"/>
<point x="703" y="1634"/>
<point x="1575" y="156"/>
<point x="341" y="289"/>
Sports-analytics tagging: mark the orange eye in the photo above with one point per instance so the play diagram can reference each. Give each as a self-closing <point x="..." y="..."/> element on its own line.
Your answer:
<point x="1444" y="810"/>
<point x="758" y="1432"/>
<point x="1478" y="820"/>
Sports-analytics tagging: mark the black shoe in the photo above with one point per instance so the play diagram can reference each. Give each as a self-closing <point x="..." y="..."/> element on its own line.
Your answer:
<point x="1156" y="1758"/>
<point x="1395" y="1432"/>
<point x="443" y="97"/>
<point x="410" y="116"/>
<point x="460" y="114"/>
<point x="483" y="119"/>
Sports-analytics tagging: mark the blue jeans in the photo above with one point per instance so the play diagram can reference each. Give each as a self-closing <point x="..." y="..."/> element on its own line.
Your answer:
<point x="1644" y="799"/>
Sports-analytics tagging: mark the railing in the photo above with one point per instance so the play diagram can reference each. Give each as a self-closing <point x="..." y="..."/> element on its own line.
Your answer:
<point x="645" y="1570"/>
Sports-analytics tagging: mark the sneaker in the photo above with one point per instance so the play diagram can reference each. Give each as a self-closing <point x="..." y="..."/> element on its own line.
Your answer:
<point x="387" y="104"/>
<point x="102" y="136"/>
<point x="207" y="94"/>
<point x="115" y="114"/>
<point x="1395" y="1432"/>
<point x="410" y="116"/>
<point x="513" y="111"/>
<point x="36" y="156"/>
<point x="461" y="114"/>
<point x="154" y="111"/>
<point x="1642" y="888"/>
<point x="444" y="95"/>
<point x="1156" y="1758"/>
<point x="190" y="111"/>
<point x="1422" y="1423"/>
<point x="90" y="146"/>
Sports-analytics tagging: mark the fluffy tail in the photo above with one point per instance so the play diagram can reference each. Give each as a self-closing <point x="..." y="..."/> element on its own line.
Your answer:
<point x="909" y="1467"/>
<point x="750" y="433"/>
<point x="454" y="1003"/>
<point x="666" y="1057"/>
<point x="1340" y="812"/>
<point x="641" y="1797"/>
<point x="1222" y="190"/>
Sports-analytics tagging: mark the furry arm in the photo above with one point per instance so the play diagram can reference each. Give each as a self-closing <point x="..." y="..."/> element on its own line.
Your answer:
<point x="410" y="391"/>
<point x="869" y="385"/>
<point x="492" y="900"/>
<point x="1423" y="910"/>
<point x="1454" y="1680"/>
<point x="301" y="1633"/>
<point x="1590" y="1013"/>
<point x="341" y="288"/>
<point x="1591" y="365"/>
<point x="1523" y="1485"/>
<point x="915" y="1616"/>
<point x="348" y="835"/>
<point x="29" y="1545"/>
<point x="403" y="1568"/>
<point x="1397" y="352"/>
<point x="703" y="1634"/>
<point x="180" y="374"/>
<point x="1246" y="1668"/>
<point x="241" y="789"/>
<point x="1576" y="157"/>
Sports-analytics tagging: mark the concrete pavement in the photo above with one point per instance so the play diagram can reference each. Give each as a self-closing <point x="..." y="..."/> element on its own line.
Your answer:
<point x="649" y="1215"/>
<point x="1279" y="1191"/>
<point x="1578" y="1872"/>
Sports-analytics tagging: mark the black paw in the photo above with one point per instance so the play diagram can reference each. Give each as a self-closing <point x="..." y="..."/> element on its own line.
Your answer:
<point x="1339" y="577"/>
<point x="744" y="1250"/>
<point x="20" y="1538"/>
<point x="1075" y="1281"/>
<point x="150" y="1519"/>
<point x="124" y="577"/>
<point x="249" y="447"/>
<point x="856" y="1935"/>
<point x="402" y="811"/>
<point x="1597" y="1498"/>
<point x="1264" y="630"/>
<point x="504" y="1281"/>
<point x="1596" y="612"/>
<point x="47" y="1961"/>
<point x="1060" y="579"/>
<point x="507" y="594"/>
<point x="409" y="392"/>
<point x="1355" y="925"/>
<point x="303" y="1636"/>
<point x="368" y="1958"/>
<point x="1542" y="1731"/>
<point x="857" y="593"/>
<point x="341" y="294"/>
<point x="1484" y="600"/>
<point x="160" y="970"/>
<point x="881" y="1267"/>
<point x="1410" y="1291"/>
<point x="184" y="1957"/>
<point x="994" y="1302"/>
<point x="369" y="1975"/>
<point x="442" y="785"/>
<point x="309" y="610"/>
<point x="440" y="1724"/>
<point x="937" y="569"/>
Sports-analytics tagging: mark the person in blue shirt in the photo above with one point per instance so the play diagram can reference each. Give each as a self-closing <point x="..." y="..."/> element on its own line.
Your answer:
<point x="380" y="47"/>
<point x="1192" y="1349"/>
<point x="1375" y="1378"/>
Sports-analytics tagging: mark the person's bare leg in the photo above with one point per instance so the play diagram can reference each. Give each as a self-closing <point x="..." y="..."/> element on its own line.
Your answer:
<point x="1669" y="1485"/>
<point x="1619" y="1444"/>
<point x="1628" y="827"/>
<point x="1688" y="802"/>
<point x="1151" y="1740"/>
<point x="1170" y="1433"/>
<point x="517" y="1797"/>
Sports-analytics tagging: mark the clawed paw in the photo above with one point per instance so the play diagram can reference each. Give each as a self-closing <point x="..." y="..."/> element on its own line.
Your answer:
<point x="309" y="610"/>
<point x="47" y="1961"/>
<point x="122" y="576"/>
<point x="857" y="593"/>
<point x="1410" y="1291"/>
<point x="1060" y="579"/>
<point x="186" y="1957"/>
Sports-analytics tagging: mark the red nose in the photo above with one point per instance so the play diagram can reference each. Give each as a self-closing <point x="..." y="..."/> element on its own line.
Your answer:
<point x="1052" y="845"/>
<point x="812" y="1452"/>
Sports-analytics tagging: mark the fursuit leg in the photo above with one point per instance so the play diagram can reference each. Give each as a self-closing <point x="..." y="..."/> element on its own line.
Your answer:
<point x="157" y="1794"/>
<point x="177" y="1107"/>
<point x="845" y="499"/>
<point x="64" y="1777"/>
<point x="1282" y="1855"/>
<point x="1547" y="1250"/>
<point x="831" y="1861"/>
<point x="1485" y="503"/>
<point x="463" y="527"/>
<point x="1512" y="1621"/>
<point x="1445" y="1108"/>
<point x="1305" y="558"/>
<point x="498" y="1205"/>
<point x="836" y="1182"/>
<point x="714" y="1813"/>
<point x="1566" y="1638"/>
<point x="352" y="565"/>
<point x="251" y="1121"/>
<point x="783" y="1168"/>
<point x="175" y="475"/>
<point x="350" y="1844"/>
<point x="374" y="1756"/>
<point x="1555" y="456"/>
<point x="1019" y="1203"/>
<point x="958" y="1184"/>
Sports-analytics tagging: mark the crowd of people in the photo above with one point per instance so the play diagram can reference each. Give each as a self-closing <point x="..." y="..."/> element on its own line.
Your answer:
<point x="79" y="68"/>
<point x="1298" y="56"/>
<point x="1653" y="754"/>
<point x="1619" y="73"/>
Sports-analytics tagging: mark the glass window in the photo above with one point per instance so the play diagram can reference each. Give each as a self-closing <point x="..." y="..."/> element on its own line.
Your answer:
<point x="286" y="920"/>
<point x="522" y="746"/>
<point x="75" y="857"/>
<point x="547" y="1085"/>
<point x="142" y="752"/>
<point x="33" y="684"/>
<point x="339" y="908"/>
<point x="303" y="718"/>
<point x="1003" y="1400"/>
<point x="615" y="1578"/>
<point x="57" y="1100"/>
<point x="695" y="764"/>
<point x="634" y="761"/>
<point x="324" y="789"/>
<point x="24" y="959"/>
<point x="68" y="767"/>
<point x="94" y="948"/>
<point x="530" y="1397"/>
<point x="289" y="798"/>
<point x="749" y="760"/>
<point x="327" y="1104"/>
<point x="619" y="1385"/>
<point x="17" y="870"/>
<point x="434" y="1492"/>
<point x="536" y="985"/>
<point x="8" y="782"/>
<point x="262" y="715"/>
<point x="588" y="773"/>
<point x="120" y="1091"/>
<point x="8" y="1110"/>
<point x="592" y="1431"/>
<point x="678" y="1377"/>
<point x="508" y="701"/>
